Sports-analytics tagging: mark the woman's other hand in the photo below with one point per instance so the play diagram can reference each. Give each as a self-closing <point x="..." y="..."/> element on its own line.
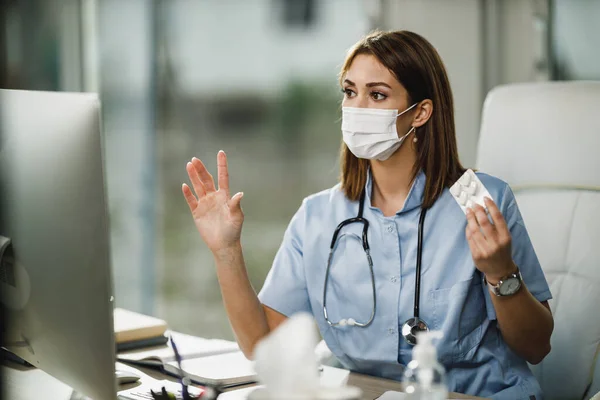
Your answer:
<point x="490" y="243"/>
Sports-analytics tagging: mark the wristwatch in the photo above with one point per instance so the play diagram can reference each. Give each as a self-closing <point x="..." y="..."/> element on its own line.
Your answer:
<point x="508" y="285"/>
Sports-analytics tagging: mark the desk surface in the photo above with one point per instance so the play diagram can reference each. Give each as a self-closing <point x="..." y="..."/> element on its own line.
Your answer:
<point x="30" y="383"/>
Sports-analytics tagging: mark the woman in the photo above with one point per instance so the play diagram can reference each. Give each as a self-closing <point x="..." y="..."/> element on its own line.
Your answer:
<point x="399" y="159"/>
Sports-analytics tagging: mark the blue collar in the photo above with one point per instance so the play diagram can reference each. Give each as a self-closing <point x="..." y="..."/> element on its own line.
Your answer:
<point x="413" y="200"/>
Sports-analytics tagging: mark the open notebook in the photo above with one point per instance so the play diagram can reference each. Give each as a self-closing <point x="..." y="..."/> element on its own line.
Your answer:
<point x="225" y="370"/>
<point x="187" y="345"/>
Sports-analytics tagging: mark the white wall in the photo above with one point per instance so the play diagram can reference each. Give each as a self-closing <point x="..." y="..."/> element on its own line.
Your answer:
<point x="483" y="44"/>
<point x="523" y="42"/>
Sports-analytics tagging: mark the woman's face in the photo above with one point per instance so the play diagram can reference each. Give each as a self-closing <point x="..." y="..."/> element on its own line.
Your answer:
<point x="368" y="84"/>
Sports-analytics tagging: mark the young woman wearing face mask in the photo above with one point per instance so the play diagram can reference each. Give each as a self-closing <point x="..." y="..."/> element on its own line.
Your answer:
<point x="406" y="258"/>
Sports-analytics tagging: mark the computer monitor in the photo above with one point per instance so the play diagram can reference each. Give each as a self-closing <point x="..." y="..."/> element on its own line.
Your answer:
<point x="55" y="276"/>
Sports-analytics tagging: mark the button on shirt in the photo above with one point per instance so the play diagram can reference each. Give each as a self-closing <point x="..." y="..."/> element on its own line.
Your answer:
<point x="454" y="298"/>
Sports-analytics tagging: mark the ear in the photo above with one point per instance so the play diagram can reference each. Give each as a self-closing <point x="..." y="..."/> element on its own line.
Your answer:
<point x="424" y="111"/>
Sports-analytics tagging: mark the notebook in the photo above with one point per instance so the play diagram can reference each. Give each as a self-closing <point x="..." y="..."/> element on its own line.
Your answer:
<point x="142" y="343"/>
<point x="230" y="369"/>
<point x="187" y="345"/>
<point x="131" y="326"/>
<point x="392" y="395"/>
<point x="224" y="370"/>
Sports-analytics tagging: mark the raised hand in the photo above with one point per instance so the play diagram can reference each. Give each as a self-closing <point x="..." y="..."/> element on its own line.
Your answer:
<point x="218" y="217"/>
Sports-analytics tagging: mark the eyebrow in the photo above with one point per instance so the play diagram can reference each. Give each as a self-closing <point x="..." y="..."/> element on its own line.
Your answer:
<point x="370" y="84"/>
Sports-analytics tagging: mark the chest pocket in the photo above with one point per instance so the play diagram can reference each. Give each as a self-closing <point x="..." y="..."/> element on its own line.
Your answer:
<point x="459" y="312"/>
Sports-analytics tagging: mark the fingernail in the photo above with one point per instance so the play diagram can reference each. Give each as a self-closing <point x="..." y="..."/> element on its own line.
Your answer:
<point x="189" y="163"/>
<point x="221" y="151"/>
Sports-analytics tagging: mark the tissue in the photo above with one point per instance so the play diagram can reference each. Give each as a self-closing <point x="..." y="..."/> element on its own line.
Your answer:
<point x="285" y="360"/>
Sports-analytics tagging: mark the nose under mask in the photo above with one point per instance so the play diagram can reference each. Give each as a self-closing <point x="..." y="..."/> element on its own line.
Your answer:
<point x="371" y="133"/>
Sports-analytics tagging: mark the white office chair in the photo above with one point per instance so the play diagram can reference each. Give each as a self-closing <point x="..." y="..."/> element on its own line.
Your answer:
<point x="544" y="140"/>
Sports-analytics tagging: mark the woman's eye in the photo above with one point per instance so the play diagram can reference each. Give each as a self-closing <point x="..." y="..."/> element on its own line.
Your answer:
<point x="378" y="96"/>
<point x="348" y="92"/>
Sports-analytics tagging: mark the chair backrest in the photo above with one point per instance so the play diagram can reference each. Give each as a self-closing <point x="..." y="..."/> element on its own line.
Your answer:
<point x="544" y="140"/>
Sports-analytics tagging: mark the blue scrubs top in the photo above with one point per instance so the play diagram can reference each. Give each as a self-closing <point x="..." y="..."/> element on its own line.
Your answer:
<point x="454" y="298"/>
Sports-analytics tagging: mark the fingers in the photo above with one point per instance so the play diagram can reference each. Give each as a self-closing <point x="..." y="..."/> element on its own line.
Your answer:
<point x="499" y="221"/>
<point x="205" y="176"/>
<point x="476" y="240"/>
<point x="476" y="252"/>
<point x="203" y="183"/>
<point x="189" y="197"/>
<point x="195" y="179"/>
<point x="489" y="231"/>
<point x="223" y="172"/>
<point x="234" y="203"/>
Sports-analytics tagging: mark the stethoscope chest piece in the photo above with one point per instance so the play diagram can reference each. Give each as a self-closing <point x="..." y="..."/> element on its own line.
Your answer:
<point x="412" y="327"/>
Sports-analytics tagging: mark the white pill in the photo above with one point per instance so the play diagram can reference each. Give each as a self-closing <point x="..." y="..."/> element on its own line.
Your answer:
<point x="465" y="179"/>
<point x="462" y="199"/>
<point x="470" y="204"/>
<point x="472" y="189"/>
<point x="455" y="190"/>
<point x="351" y="322"/>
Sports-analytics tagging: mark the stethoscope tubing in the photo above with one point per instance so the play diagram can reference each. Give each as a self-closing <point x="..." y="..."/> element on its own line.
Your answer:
<point x="365" y="242"/>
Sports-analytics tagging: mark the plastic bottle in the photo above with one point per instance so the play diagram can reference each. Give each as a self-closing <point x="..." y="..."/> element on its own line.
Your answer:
<point x="424" y="376"/>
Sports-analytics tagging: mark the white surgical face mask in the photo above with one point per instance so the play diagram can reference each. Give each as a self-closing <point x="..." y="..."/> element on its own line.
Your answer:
<point x="371" y="133"/>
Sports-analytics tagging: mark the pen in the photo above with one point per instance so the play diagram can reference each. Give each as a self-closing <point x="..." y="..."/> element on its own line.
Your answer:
<point x="182" y="378"/>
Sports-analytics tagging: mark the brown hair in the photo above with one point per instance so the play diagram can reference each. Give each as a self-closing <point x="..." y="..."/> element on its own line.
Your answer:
<point x="416" y="64"/>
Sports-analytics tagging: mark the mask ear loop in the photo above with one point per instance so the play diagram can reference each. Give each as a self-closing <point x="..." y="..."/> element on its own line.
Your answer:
<point x="408" y="133"/>
<point x="412" y="128"/>
<point x="408" y="109"/>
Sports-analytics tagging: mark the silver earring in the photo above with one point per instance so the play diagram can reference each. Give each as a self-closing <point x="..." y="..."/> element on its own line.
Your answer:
<point x="415" y="139"/>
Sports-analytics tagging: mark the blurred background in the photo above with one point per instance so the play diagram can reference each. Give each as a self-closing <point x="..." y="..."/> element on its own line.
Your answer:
<point x="258" y="79"/>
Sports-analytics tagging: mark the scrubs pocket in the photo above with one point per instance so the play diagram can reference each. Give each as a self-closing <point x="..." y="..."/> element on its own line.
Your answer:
<point x="459" y="311"/>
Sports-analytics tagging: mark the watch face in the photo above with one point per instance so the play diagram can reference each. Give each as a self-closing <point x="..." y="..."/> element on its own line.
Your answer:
<point x="509" y="286"/>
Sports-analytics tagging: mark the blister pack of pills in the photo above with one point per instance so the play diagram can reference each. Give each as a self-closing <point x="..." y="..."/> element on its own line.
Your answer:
<point x="468" y="191"/>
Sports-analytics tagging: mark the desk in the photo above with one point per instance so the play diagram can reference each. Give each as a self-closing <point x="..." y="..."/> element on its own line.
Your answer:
<point x="33" y="384"/>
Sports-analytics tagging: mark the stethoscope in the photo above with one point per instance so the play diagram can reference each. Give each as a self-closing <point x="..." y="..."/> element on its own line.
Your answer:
<point x="413" y="325"/>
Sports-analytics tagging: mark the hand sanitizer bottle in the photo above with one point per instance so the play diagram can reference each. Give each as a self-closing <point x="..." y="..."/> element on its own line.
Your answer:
<point x="424" y="376"/>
